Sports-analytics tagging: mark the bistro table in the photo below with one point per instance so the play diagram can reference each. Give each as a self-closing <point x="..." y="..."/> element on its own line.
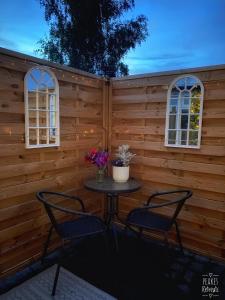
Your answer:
<point x="112" y="190"/>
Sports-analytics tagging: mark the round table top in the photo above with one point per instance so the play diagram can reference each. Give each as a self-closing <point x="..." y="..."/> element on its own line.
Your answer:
<point x="111" y="187"/>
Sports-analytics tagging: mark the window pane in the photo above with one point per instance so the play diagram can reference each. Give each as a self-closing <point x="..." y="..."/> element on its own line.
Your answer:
<point x="52" y="119"/>
<point x="42" y="100"/>
<point x="32" y="118"/>
<point x="52" y="135"/>
<point x="43" y="118"/>
<point x="183" y="137"/>
<point x="31" y="84"/>
<point x="36" y="74"/>
<point x="172" y="121"/>
<point x="195" y="105"/>
<point x="32" y="100"/>
<point x="184" y="121"/>
<point x="185" y="105"/>
<point x="49" y="81"/>
<point x="43" y="88"/>
<point x="172" y="137"/>
<point x="196" y="91"/>
<point x="190" y="81"/>
<point x="43" y="136"/>
<point x="181" y="84"/>
<point x="194" y="122"/>
<point x="33" y="136"/>
<point x="173" y="105"/>
<point x="175" y="92"/>
<point x="193" y="138"/>
<point x="185" y="94"/>
<point x="52" y="102"/>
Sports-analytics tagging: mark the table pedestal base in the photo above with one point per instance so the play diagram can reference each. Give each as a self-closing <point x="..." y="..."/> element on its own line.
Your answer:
<point x="112" y="215"/>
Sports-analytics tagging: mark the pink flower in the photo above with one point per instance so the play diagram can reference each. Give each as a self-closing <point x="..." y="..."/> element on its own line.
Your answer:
<point x="99" y="158"/>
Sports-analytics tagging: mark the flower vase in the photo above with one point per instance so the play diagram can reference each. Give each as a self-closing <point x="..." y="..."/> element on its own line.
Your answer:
<point x="100" y="174"/>
<point x="120" y="174"/>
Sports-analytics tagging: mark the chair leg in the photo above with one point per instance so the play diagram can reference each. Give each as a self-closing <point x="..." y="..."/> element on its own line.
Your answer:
<point x="56" y="279"/>
<point x="179" y="237"/>
<point x="46" y="245"/>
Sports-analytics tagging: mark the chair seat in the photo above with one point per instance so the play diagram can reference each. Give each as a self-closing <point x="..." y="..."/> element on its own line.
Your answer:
<point x="147" y="219"/>
<point x="80" y="227"/>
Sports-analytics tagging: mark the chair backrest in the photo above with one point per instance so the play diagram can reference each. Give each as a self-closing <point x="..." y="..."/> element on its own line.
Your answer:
<point x="49" y="207"/>
<point x="178" y="202"/>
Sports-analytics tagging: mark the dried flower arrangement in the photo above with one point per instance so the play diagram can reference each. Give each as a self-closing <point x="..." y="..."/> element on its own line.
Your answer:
<point x="123" y="155"/>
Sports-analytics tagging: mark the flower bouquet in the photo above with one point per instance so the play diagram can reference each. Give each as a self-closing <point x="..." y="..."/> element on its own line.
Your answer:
<point x="100" y="159"/>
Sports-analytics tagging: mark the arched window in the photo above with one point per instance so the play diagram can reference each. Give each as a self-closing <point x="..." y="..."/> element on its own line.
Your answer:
<point x="184" y="113"/>
<point x="41" y="108"/>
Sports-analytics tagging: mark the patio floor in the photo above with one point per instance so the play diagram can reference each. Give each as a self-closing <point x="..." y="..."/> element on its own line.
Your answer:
<point x="142" y="269"/>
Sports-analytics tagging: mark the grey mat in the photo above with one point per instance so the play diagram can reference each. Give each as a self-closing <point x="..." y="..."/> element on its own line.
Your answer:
<point x="69" y="287"/>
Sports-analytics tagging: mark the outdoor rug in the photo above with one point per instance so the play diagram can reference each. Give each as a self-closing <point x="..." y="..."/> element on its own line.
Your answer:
<point x="69" y="287"/>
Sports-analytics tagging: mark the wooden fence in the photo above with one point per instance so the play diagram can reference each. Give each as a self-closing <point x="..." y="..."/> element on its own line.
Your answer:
<point x="138" y="110"/>
<point x="83" y="112"/>
<point x="95" y="113"/>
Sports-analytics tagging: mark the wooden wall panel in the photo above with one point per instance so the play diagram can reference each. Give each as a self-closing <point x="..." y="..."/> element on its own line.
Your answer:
<point x="96" y="113"/>
<point x="23" y="172"/>
<point x="138" y="119"/>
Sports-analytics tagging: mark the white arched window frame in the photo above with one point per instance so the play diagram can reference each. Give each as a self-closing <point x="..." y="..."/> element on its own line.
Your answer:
<point x="41" y="91"/>
<point x="184" y="112"/>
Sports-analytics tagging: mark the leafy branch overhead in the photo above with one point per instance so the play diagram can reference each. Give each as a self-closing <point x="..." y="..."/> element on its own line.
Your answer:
<point x="91" y="35"/>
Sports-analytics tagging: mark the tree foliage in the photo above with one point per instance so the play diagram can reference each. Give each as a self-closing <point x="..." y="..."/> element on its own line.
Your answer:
<point x="91" y="35"/>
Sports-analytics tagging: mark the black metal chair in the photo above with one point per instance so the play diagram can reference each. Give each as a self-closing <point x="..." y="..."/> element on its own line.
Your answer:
<point x="84" y="225"/>
<point x="144" y="218"/>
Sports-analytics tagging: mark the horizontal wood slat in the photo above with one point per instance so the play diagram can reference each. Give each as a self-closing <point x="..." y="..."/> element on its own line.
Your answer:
<point x="159" y="146"/>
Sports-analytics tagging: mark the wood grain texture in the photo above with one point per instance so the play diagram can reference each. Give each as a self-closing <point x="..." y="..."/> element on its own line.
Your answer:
<point x="23" y="172"/>
<point x="95" y="112"/>
<point x="138" y="119"/>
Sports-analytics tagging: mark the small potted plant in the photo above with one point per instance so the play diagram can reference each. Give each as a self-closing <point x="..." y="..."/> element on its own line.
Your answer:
<point x="100" y="159"/>
<point x="121" y="169"/>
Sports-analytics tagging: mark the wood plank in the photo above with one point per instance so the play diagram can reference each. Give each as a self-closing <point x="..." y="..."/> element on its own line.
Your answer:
<point x="72" y="75"/>
<point x="160" y="130"/>
<point x="144" y="98"/>
<point x="19" y="149"/>
<point x="180" y="165"/>
<point x="184" y="179"/>
<point x="165" y="78"/>
<point x="7" y="106"/>
<point x="157" y="146"/>
<point x="34" y="167"/>
<point x="160" y="113"/>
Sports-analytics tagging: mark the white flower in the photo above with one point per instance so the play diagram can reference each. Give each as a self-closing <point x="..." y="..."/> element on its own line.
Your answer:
<point x="124" y="155"/>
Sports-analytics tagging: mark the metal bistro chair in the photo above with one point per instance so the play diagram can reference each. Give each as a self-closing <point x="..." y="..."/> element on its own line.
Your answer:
<point x="84" y="225"/>
<point x="145" y="218"/>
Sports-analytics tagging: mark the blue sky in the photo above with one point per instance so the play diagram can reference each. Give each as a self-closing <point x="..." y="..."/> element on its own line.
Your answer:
<point x="182" y="34"/>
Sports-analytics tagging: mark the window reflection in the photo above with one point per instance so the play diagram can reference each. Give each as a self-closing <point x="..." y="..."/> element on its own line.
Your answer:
<point x="184" y="109"/>
<point x="42" y="102"/>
